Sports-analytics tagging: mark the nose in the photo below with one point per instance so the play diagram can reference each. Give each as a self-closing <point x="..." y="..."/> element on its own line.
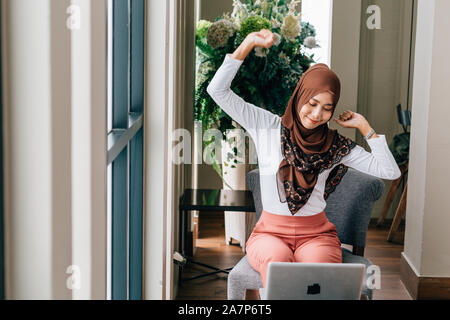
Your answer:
<point x="315" y="114"/>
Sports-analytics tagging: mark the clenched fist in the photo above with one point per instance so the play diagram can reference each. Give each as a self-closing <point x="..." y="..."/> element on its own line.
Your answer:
<point x="263" y="38"/>
<point x="350" y="119"/>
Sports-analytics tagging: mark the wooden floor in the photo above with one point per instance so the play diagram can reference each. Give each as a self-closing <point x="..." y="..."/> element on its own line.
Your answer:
<point x="212" y="250"/>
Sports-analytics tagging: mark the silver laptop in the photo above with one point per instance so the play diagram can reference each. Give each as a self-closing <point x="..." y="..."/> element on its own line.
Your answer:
<point x="313" y="281"/>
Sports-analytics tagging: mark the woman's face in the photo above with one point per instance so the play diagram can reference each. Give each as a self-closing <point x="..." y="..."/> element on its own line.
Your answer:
<point x="317" y="110"/>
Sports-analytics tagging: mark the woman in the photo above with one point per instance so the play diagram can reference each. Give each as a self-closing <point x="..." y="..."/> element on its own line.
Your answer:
<point x="300" y="160"/>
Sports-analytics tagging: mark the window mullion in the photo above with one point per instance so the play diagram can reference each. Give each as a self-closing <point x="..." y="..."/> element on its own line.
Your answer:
<point x="119" y="164"/>
<point x="136" y="148"/>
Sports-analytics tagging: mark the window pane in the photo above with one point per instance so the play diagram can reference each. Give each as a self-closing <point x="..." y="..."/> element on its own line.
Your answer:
<point x="125" y="146"/>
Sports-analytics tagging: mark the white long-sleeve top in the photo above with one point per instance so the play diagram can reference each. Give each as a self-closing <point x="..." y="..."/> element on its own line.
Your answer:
<point x="264" y="128"/>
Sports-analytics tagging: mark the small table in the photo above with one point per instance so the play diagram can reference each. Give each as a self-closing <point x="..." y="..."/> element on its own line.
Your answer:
<point x="210" y="200"/>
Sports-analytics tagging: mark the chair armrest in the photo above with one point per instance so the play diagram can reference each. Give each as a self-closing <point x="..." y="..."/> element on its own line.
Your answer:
<point x="350" y="206"/>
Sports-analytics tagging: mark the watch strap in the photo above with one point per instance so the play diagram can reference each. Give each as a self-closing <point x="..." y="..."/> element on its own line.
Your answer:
<point x="370" y="134"/>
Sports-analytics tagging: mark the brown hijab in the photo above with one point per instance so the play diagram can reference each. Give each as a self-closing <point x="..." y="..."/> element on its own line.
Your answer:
<point x="307" y="152"/>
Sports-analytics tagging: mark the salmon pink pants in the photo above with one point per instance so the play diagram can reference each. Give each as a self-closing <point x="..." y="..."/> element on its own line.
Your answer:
<point x="280" y="238"/>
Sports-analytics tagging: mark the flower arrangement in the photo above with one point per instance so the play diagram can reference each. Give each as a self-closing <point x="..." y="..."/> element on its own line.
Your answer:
<point x="267" y="77"/>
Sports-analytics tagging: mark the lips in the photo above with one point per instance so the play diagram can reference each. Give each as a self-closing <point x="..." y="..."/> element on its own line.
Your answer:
<point x="312" y="121"/>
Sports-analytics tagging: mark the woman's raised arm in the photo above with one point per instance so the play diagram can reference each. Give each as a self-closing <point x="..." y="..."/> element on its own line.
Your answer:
<point x="263" y="38"/>
<point x="379" y="162"/>
<point x="249" y="116"/>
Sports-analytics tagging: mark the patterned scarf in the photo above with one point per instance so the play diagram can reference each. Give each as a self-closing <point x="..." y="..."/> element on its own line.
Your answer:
<point x="308" y="152"/>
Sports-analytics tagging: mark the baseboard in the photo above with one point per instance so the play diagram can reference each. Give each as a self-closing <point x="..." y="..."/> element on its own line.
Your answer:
<point x="423" y="288"/>
<point x="409" y="277"/>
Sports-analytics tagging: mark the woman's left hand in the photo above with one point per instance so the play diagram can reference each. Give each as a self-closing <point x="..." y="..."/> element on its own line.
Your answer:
<point x="350" y="119"/>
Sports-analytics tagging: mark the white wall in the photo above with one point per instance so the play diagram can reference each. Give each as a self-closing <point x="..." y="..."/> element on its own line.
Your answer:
<point x="60" y="140"/>
<point x="210" y="9"/>
<point x="28" y="161"/>
<point x="182" y="118"/>
<point x="39" y="235"/>
<point x="38" y="149"/>
<point x="427" y="242"/>
<point x="89" y="102"/>
<point x="155" y="147"/>
<point x="345" y="38"/>
<point x="383" y="75"/>
<point x="37" y="145"/>
<point x="168" y="106"/>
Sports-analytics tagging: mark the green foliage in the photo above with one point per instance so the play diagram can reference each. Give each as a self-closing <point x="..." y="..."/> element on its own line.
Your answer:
<point x="202" y="28"/>
<point x="219" y="33"/>
<point x="253" y="24"/>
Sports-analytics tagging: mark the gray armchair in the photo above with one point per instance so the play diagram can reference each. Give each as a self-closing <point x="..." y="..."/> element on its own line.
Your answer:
<point x="348" y="208"/>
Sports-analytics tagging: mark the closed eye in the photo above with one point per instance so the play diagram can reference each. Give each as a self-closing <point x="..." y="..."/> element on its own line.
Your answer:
<point x="326" y="109"/>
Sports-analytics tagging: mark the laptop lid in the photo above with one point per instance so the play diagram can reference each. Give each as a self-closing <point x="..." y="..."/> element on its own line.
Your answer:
<point x="313" y="281"/>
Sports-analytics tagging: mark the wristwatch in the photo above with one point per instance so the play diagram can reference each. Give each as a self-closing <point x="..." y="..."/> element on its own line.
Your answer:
<point x="369" y="135"/>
